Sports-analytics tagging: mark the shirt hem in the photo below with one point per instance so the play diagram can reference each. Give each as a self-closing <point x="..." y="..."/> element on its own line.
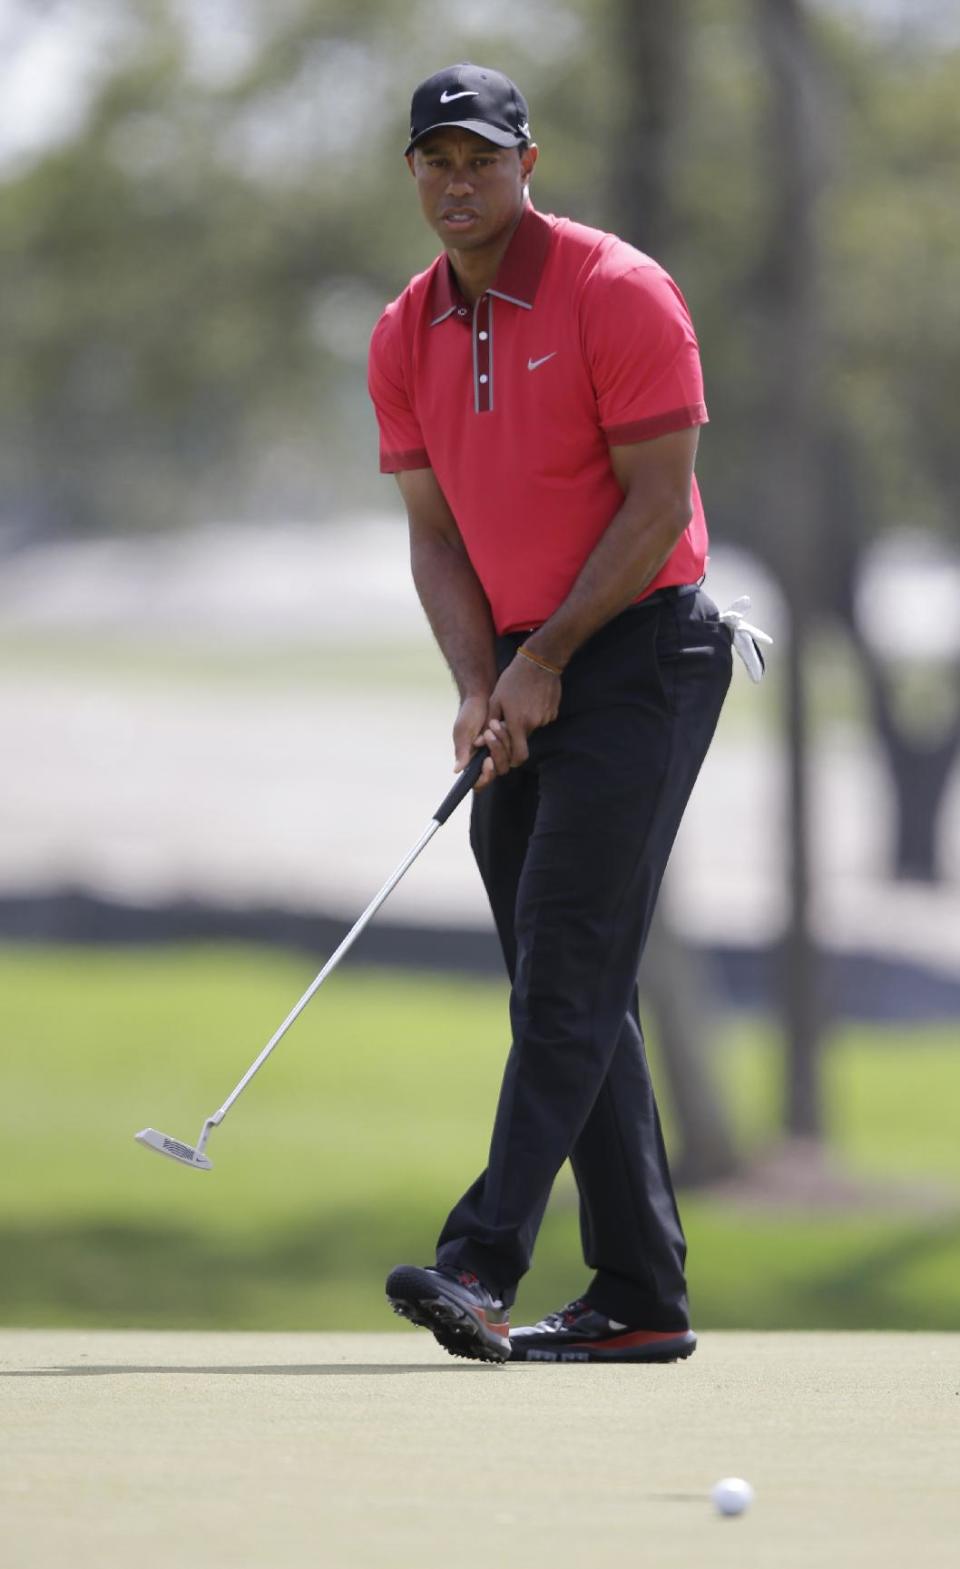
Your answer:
<point x="522" y="627"/>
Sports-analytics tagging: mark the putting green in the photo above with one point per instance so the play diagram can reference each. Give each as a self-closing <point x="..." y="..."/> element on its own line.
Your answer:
<point x="300" y="1451"/>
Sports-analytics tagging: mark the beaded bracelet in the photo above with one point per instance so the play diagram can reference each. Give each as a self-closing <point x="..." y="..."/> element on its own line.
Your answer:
<point x="543" y="664"/>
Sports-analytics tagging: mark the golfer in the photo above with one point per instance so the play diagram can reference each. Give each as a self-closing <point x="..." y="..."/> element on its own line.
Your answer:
<point x="539" y="396"/>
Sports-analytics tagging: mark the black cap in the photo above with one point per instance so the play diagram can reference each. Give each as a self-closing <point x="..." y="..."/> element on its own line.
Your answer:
<point x="474" y="99"/>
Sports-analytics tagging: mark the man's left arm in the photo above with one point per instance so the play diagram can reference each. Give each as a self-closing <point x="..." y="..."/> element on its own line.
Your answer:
<point x="656" y="478"/>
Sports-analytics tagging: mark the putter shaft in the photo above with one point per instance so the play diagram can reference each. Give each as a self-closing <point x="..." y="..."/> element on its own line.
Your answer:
<point x="448" y="805"/>
<point x="317" y="982"/>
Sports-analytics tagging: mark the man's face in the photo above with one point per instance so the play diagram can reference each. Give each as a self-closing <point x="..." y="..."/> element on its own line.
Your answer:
<point x="471" y="191"/>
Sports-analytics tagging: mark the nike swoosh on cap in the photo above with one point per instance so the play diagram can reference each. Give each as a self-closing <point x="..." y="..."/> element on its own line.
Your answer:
<point x="532" y="364"/>
<point x="447" y="98"/>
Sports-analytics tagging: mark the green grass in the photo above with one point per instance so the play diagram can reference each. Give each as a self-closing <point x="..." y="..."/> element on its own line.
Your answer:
<point x="364" y="1127"/>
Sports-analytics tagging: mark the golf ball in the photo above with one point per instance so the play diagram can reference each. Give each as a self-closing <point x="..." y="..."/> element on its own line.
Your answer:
<point x="732" y="1496"/>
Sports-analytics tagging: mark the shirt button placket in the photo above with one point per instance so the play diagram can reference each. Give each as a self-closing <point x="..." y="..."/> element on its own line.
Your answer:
<point x="483" y="401"/>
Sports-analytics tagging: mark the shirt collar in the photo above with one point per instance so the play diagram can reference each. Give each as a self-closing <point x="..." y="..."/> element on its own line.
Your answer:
<point x="518" y="276"/>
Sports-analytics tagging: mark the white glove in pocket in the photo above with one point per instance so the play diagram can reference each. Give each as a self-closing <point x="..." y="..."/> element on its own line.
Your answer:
<point x="746" y="638"/>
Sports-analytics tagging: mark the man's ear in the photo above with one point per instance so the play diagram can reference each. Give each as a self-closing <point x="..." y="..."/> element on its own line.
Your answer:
<point x="409" y="158"/>
<point x="527" y="161"/>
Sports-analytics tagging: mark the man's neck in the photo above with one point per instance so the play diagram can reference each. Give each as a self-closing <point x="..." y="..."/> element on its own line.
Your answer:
<point x="475" y="271"/>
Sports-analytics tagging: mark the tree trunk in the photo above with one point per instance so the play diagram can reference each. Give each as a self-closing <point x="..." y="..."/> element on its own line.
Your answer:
<point x="920" y="771"/>
<point x="920" y="766"/>
<point x="920" y="776"/>
<point x="788" y="449"/>
<point x="651" y="48"/>
<point x="674" y="985"/>
<point x="800" y="975"/>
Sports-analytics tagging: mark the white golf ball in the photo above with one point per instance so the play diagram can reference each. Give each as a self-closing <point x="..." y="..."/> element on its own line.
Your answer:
<point x="732" y="1496"/>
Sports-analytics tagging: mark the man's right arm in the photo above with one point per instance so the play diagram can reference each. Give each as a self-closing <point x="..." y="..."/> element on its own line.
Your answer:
<point x="459" y="615"/>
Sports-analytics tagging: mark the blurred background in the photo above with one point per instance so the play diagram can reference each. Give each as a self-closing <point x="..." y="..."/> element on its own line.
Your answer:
<point x="224" y="721"/>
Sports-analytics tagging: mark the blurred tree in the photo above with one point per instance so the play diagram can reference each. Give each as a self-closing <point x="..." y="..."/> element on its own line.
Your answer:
<point x="189" y="282"/>
<point x="652" y="42"/>
<point x="892" y="459"/>
<point x="889" y="242"/>
<point x="152" y="297"/>
<point x="788" y="325"/>
<point x="914" y="702"/>
<point x="650" y="38"/>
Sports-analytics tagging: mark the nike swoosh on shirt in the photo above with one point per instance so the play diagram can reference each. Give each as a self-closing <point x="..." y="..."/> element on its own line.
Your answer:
<point x="532" y="364"/>
<point x="448" y="98"/>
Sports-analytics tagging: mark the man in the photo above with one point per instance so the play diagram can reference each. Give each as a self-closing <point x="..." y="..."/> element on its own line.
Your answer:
<point x="538" y="393"/>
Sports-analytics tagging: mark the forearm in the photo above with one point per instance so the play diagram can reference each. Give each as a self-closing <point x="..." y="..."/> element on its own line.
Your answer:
<point x="627" y="557"/>
<point x="457" y="610"/>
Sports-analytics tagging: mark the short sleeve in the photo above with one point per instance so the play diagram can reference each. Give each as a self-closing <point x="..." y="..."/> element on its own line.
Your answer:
<point x="401" y="439"/>
<point x="643" y="355"/>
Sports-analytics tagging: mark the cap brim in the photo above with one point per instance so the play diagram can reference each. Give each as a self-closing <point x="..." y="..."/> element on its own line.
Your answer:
<point x="490" y="133"/>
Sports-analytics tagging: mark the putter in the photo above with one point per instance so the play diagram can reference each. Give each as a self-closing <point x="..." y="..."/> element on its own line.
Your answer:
<point x="187" y="1154"/>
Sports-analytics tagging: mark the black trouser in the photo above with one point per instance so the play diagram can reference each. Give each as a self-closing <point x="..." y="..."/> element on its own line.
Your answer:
<point x="572" y="848"/>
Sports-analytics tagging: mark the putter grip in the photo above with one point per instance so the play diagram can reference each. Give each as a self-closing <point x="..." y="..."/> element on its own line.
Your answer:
<point x="463" y="786"/>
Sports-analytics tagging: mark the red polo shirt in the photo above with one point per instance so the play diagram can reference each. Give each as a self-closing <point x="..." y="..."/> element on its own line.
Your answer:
<point x="582" y="343"/>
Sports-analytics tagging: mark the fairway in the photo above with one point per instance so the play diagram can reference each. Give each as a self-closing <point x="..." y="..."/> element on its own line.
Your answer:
<point x="344" y="1156"/>
<point x="361" y="1451"/>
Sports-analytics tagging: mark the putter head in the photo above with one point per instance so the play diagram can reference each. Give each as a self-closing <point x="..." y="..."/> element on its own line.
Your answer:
<point x="184" y="1153"/>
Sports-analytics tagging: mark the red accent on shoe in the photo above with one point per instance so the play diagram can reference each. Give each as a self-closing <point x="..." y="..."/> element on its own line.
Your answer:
<point x="632" y="1337"/>
<point x="503" y="1330"/>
